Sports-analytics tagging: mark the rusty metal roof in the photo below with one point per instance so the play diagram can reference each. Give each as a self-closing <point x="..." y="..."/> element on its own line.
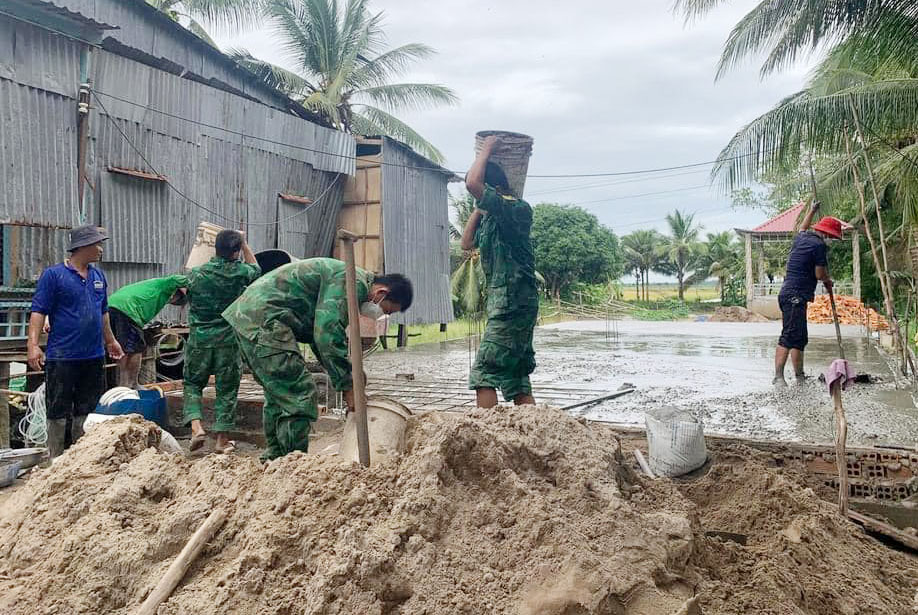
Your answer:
<point x="786" y="222"/>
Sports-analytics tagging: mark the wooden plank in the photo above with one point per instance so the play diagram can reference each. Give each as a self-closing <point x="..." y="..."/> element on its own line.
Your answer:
<point x="878" y="526"/>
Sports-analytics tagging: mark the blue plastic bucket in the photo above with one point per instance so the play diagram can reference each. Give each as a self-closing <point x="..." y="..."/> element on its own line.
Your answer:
<point x="151" y="406"/>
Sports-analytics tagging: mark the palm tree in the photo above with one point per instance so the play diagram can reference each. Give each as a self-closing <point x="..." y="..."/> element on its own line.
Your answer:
<point x="230" y="13"/>
<point x="342" y="70"/>
<point x="680" y="246"/>
<point x="869" y="78"/>
<point x="463" y="206"/>
<point x="860" y="108"/>
<point x="642" y="253"/>
<point x="722" y="258"/>
<point x="783" y="30"/>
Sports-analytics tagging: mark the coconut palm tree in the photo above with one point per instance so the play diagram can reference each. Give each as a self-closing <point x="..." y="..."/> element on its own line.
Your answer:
<point x="721" y="258"/>
<point x="784" y="30"/>
<point x="680" y="247"/>
<point x="343" y="71"/>
<point x="197" y="13"/>
<point x="869" y="78"/>
<point x="642" y="253"/>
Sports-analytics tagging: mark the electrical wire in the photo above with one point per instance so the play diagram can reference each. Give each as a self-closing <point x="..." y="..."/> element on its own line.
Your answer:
<point x="152" y="168"/>
<point x="613" y="183"/>
<point x="425" y="168"/>
<point x="637" y="196"/>
<point x="700" y="211"/>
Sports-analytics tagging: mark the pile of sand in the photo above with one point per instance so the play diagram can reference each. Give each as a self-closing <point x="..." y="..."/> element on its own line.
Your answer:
<point x="736" y="313"/>
<point x="507" y="511"/>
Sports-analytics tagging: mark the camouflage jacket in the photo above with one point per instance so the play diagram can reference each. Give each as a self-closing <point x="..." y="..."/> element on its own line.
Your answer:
<point x="306" y="302"/>
<point x="211" y="288"/>
<point x="503" y="238"/>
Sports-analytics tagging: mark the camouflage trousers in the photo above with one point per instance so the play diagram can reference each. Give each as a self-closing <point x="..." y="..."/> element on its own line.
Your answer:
<point x="223" y="364"/>
<point x="290" y="396"/>
<point x="505" y="357"/>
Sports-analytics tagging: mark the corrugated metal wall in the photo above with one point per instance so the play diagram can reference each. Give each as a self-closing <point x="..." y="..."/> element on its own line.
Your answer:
<point x="149" y="34"/>
<point x="38" y="126"/>
<point x="415" y="229"/>
<point x="193" y="135"/>
<point x="230" y="154"/>
<point x="29" y="250"/>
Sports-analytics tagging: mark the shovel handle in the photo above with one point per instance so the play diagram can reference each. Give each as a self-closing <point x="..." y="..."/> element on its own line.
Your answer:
<point x="841" y="350"/>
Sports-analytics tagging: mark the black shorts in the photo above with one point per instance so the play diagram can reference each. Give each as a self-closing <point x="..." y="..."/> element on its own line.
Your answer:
<point x="73" y="388"/>
<point x="128" y="334"/>
<point x="793" y="315"/>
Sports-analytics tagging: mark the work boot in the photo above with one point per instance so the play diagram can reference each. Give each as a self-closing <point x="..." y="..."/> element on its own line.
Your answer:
<point x="57" y="433"/>
<point x="779" y="383"/>
<point x="76" y="429"/>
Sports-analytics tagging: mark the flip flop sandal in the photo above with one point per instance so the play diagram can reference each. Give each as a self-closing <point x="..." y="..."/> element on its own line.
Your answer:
<point x="197" y="441"/>
<point x="228" y="449"/>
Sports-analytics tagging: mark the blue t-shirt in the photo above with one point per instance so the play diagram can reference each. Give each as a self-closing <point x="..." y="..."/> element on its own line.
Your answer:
<point x="74" y="306"/>
<point x="808" y="251"/>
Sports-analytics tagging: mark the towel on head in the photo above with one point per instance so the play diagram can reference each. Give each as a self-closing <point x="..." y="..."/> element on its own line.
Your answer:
<point x="841" y="371"/>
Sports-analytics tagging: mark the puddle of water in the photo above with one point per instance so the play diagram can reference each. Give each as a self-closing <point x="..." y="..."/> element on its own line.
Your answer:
<point x="721" y="371"/>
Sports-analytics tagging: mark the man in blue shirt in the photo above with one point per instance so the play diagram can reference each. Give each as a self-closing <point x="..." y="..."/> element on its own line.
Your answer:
<point x="807" y="264"/>
<point x="73" y="297"/>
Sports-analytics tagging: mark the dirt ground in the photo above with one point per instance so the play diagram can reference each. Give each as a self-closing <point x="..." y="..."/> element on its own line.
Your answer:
<point x="513" y="510"/>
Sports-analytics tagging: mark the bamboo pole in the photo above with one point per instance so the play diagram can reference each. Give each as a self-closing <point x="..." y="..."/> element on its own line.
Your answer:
<point x="870" y="240"/>
<point x="179" y="567"/>
<point x="873" y="188"/>
<point x="353" y="323"/>
<point x="890" y="305"/>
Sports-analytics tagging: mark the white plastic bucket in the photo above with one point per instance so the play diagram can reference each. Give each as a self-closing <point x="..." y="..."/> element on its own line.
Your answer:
<point x="386" y="422"/>
<point x="203" y="249"/>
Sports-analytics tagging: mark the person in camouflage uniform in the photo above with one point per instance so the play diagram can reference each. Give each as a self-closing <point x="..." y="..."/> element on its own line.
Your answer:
<point x="211" y="348"/>
<point x="500" y="228"/>
<point x="305" y="302"/>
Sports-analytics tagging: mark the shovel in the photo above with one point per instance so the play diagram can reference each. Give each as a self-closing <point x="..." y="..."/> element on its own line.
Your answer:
<point x="839" y="366"/>
<point x="836" y="376"/>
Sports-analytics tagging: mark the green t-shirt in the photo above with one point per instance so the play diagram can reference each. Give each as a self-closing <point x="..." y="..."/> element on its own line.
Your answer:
<point x="142" y="301"/>
<point x="305" y="302"/>
<point x="211" y="288"/>
<point x="503" y="238"/>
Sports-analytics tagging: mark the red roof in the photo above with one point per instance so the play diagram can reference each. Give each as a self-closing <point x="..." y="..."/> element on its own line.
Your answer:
<point x="786" y="221"/>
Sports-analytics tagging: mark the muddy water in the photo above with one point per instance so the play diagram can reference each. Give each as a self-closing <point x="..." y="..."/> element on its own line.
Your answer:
<point x="721" y="371"/>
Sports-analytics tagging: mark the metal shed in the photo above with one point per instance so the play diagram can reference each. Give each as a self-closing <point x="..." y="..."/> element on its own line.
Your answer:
<point x="175" y="134"/>
<point x="397" y="203"/>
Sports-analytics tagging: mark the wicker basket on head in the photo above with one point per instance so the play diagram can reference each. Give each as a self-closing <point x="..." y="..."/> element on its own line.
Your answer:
<point x="512" y="154"/>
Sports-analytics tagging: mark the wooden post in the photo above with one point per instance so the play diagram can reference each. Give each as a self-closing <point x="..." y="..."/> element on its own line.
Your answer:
<point x="763" y="269"/>
<point x="841" y="458"/>
<point x="856" y="263"/>
<point x="402" y="336"/>
<point x="356" y="350"/>
<point x="4" y="406"/>
<point x="750" y="280"/>
<point x="179" y="567"/>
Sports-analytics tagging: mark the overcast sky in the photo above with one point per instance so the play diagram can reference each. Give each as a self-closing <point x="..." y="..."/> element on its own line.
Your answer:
<point x="601" y="86"/>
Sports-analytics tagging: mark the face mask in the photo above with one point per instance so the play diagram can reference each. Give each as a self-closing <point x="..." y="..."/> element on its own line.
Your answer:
<point x="371" y="310"/>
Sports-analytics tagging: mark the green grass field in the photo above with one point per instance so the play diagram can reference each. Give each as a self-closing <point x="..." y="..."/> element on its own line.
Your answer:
<point x="662" y="292"/>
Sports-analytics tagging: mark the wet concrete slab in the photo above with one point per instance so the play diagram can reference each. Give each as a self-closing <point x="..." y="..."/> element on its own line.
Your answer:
<point x="720" y="371"/>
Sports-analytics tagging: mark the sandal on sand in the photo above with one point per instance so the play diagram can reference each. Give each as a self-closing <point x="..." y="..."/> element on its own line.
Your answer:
<point x="226" y="450"/>
<point x="197" y="441"/>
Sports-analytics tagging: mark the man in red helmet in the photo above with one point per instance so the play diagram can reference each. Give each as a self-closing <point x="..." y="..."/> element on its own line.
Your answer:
<point x="806" y="265"/>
